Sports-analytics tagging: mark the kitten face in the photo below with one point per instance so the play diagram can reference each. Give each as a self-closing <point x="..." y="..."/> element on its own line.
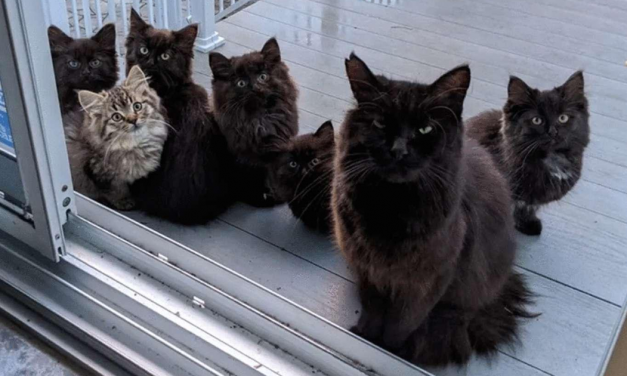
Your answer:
<point x="303" y="159"/>
<point x="551" y="119"/>
<point x="255" y="80"/>
<point x="400" y="128"/>
<point x="164" y="55"/>
<point x="125" y="114"/>
<point x="88" y="64"/>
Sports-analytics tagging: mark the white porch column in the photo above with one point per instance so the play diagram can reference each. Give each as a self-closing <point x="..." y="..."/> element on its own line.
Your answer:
<point x="203" y="12"/>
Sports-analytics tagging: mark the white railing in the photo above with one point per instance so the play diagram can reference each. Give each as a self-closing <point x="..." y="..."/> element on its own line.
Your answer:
<point x="82" y="18"/>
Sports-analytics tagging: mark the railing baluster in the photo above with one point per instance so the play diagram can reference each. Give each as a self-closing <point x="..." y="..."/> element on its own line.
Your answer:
<point x="151" y="12"/>
<point x="87" y="18"/>
<point x="98" y="14"/>
<point x="77" y="29"/>
<point x="123" y="12"/>
<point x="221" y="5"/>
<point x="166" y="23"/>
<point x="111" y="11"/>
<point x="137" y="6"/>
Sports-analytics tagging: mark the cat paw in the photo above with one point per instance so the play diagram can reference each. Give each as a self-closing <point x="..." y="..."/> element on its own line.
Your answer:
<point x="124" y="204"/>
<point x="532" y="227"/>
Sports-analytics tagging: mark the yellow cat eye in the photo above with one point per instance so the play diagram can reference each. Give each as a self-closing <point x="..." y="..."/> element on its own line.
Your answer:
<point x="563" y="118"/>
<point x="116" y="117"/>
<point x="378" y="125"/>
<point x="536" y="120"/>
<point x="143" y="50"/>
<point x="165" y="56"/>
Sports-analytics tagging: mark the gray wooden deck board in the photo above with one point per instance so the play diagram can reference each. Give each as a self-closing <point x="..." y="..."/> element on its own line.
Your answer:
<point x="578" y="267"/>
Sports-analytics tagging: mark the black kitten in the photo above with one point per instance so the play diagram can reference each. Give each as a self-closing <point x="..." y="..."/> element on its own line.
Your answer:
<point x="254" y="101"/>
<point x="82" y="64"/>
<point x="192" y="183"/>
<point x="423" y="217"/>
<point x="538" y="140"/>
<point x="301" y="174"/>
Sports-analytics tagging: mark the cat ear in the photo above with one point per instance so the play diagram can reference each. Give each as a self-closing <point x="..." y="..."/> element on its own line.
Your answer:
<point x="364" y="83"/>
<point x="325" y="132"/>
<point x="136" y="78"/>
<point x="187" y="36"/>
<point x="58" y="39"/>
<point x="105" y="36"/>
<point x="271" y="51"/>
<point x="518" y="91"/>
<point x="453" y="84"/>
<point x="138" y="25"/>
<point x="89" y="100"/>
<point x="573" y="88"/>
<point x="220" y="65"/>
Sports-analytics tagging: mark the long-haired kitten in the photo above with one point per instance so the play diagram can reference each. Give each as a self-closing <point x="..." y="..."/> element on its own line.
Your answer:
<point x="301" y="173"/>
<point x="192" y="184"/>
<point x="423" y="217"/>
<point x="82" y="64"/>
<point x="538" y="140"/>
<point x="254" y="100"/>
<point x="117" y="140"/>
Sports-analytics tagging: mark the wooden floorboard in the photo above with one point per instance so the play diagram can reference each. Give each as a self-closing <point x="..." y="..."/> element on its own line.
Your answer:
<point x="578" y="267"/>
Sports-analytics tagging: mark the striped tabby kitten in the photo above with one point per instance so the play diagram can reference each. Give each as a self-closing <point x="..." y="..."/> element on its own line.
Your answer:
<point x="117" y="140"/>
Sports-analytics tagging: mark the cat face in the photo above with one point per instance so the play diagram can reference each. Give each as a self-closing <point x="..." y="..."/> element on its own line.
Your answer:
<point x="303" y="163"/>
<point x="551" y="119"/>
<point x="164" y="55"/>
<point x="125" y="113"/>
<point x="254" y="80"/>
<point x="398" y="127"/>
<point x="88" y="64"/>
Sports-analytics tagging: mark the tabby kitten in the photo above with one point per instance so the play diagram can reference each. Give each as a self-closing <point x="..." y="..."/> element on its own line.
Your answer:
<point x="254" y="100"/>
<point x="82" y="64"/>
<point x="538" y="141"/>
<point x="423" y="217"/>
<point x="116" y="140"/>
<point x="301" y="174"/>
<point x="192" y="183"/>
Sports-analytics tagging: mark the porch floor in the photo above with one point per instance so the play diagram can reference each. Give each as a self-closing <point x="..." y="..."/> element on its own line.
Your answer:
<point x="578" y="267"/>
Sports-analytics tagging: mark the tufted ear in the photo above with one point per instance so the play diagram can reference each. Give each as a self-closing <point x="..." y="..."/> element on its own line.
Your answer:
<point x="271" y="51"/>
<point x="59" y="41"/>
<point x="325" y="132"/>
<point x="573" y="88"/>
<point x="106" y="36"/>
<point x="364" y="84"/>
<point x="452" y="84"/>
<point x="90" y="101"/>
<point x="518" y="92"/>
<point x="138" y="25"/>
<point x="187" y="36"/>
<point x="136" y="79"/>
<point x="220" y="65"/>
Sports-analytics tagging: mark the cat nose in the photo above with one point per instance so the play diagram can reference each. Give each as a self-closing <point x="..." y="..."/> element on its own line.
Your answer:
<point x="399" y="148"/>
<point x="132" y="119"/>
<point x="552" y="131"/>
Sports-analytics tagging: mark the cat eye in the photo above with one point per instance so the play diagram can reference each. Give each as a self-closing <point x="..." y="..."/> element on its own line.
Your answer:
<point x="378" y="125"/>
<point x="143" y="50"/>
<point x="95" y="63"/>
<point x="563" y="118"/>
<point x="425" y="130"/>
<point x="116" y="117"/>
<point x="536" y="120"/>
<point x="263" y="77"/>
<point x="137" y="106"/>
<point x="315" y="161"/>
<point x="165" y="56"/>
<point x="241" y="83"/>
<point x="293" y="164"/>
<point x="73" y="64"/>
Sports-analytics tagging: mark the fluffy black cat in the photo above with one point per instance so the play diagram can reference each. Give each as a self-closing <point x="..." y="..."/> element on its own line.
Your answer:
<point x="82" y="64"/>
<point x="192" y="182"/>
<point x="301" y="174"/>
<point x="423" y="217"/>
<point x="538" y="141"/>
<point x="254" y="101"/>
